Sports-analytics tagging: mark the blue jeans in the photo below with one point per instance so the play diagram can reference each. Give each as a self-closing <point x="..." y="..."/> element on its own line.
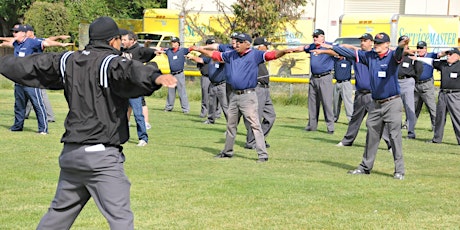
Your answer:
<point x="136" y="105"/>
<point x="21" y="95"/>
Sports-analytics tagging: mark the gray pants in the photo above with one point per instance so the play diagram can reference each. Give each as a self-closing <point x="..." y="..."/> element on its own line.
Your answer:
<point x="320" y="90"/>
<point x="343" y="91"/>
<point x="205" y="84"/>
<point x="267" y="115"/>
<point x="407" y="86"/>
<point x="90" y="171"/>
<point x="48" y="108"/>
<point x="217" y="96"/>
<point x="387" y="114"/>
<point x="362" y="105"/>
<point x="447" y="102"/>
<point x="246" y="104"/>
<point x="182" y="94"/>
<point x="425" y="93"/>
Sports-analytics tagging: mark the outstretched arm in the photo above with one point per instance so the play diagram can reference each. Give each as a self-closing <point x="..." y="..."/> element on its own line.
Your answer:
<point x="59" y="37"/>
<point x="50" y="43"/>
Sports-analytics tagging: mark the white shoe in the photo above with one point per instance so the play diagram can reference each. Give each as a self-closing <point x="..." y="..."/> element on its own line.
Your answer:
<point x="142" y="143"/>
<point x="390" y="150"/>
<point x="148" y="126"/>
<point x="340" y="144"/>
<point x="43" y="133"/>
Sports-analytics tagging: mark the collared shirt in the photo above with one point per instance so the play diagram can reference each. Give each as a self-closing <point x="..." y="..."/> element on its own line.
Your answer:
<point x="27" y="47"/>
<point x="216" y="70"/>
<point x="176" y="58"/>
<point x="320" y="63"/>
<point x="383" y="70"/>
<point x="450" y="74"/>
<point x="342" y="69"/>
<point x="244" y="68"/>
<point x="427" y="72"/>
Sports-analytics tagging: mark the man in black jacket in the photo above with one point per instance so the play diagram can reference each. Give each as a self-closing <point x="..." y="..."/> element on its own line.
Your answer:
<point x="97" y="84"/>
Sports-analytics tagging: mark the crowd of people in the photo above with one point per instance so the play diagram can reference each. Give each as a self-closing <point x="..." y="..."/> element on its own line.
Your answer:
<point x="102" y="81"/>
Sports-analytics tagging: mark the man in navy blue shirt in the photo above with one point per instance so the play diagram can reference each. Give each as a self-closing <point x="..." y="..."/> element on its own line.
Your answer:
<point x="383" y="68"/>
<point x="176" y="57"/>
<point x="343" y="89"/>
<point x="243" y="67"/>
<point x="320" y="89"/>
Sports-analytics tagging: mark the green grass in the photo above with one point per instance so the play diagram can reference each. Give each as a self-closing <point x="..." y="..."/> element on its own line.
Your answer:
<point x="177" y="184"/>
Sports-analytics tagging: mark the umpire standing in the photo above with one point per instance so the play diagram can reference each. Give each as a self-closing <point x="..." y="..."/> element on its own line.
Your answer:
<point x="343" y="89"/>
<point x="320" y="89"/>
<point x="449" y="93"/>
<point x="97" y="84"/>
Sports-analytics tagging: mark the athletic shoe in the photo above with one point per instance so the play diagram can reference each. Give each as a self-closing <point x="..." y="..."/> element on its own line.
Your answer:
<point x="147" y="125"/>
<point x="142" y="143"/>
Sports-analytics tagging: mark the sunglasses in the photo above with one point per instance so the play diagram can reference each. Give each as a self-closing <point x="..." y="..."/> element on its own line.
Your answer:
<point x="240" y="41"/>
<point x="418" y="47"/>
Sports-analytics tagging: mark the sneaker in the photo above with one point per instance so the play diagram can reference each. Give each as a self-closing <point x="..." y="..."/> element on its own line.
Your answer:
<point x="208" y="122"/>
<point x="43" y="133"/>
<point x="398" y="176"/>
<point x="148" y="126"/>
<point x="340" y="144"/>
<point x="358" y="172"/>
<point x="142" y="143"/>
<point x="262" y="160"/>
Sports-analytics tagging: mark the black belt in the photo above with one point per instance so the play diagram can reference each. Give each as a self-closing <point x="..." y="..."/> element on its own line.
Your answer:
<point x="217" y="83"/>
<point x="387" y="99"/>
<point x="423" y="81"/>
<point x="364" y="91"/>
<point x="321" y="74"/>
<point x="404" y="77"/>
<point x="243" y="91"/>
<point x="262" y="85"/>
<point x="450" y="90"/>
<point x="340" y="81"/>
<point x="177" y="72"/>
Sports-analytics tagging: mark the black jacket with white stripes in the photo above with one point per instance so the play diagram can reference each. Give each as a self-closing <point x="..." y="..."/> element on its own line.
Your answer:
<point x="97" y="84"/>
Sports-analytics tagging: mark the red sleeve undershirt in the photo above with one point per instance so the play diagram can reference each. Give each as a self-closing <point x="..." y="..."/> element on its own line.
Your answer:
<point x="270" y="55"/>
<point x="216" y="56"/>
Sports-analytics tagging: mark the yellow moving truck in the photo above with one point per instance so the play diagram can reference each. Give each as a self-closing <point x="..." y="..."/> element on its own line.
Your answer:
<point x="159" y="25"/>
<point x="439" y="32"/>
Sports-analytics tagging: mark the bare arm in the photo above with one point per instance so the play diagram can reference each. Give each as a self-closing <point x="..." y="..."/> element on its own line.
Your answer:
<point x="195" y="58"/>
<point x="59" y="37"/>
<point x="202" y="50"/>
<point x="214" y="46"/>
<point x="50" y="43"/>
<point x="7" y="39"/>
<point x="328" y="52"/>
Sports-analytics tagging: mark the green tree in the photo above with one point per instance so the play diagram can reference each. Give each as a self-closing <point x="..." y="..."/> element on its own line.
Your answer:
<point x="11" y="12"/>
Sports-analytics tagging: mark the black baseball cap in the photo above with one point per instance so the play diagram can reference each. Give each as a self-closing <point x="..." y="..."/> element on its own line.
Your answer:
<point x="402" y="38"/>
<point x="103" y="28"/>
<point x="381" y="38"/>
<point x="367" y="36"/>
<point x="261" y="41"/>
<point x="453" y="51"/>
<point x="210" y="41"/>
<point x="421" y="45"/>
<point x="243" y="37"/>
<point x="318" y="32"/>
<point x="29" y="27"/>
<point x="175" y="39"/>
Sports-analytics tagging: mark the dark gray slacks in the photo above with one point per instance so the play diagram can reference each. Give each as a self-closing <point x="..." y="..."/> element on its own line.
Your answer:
<point x="320" y="91"/>
<point x="362" y="105"/>
<point x="425" y="93"/>
<point x="90" y="171"/>
<point x="447" y="102"/>
<point x="267" y="115"/>
<point x="217" y="96"/>
<point x="388" y="114"/>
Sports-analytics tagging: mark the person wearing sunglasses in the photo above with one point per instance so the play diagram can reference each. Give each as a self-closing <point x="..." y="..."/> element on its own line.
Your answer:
<point x="243" y="68"/>
<point x="320" y="88"/>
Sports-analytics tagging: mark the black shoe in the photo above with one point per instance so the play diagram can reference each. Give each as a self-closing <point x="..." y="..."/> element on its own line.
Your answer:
<point x="223" y="155"/>
<point x="358" y="171"/>
<point x="246" y="146"/>
<point x="309" y="129"/>
<point x="267" y="145"/>
<point x="432" y="142"/>
<point x="410" y="137"/>
<point x="15" y="130"/>
<point x="262" y="160"/>
<point x="330" y="132"/>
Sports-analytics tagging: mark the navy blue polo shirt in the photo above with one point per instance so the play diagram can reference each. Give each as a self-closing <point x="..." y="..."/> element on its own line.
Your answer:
<point x="27" y="47"/>
<point x="342" y="69"/>
<point x="225" y="47"/>
<point x="243" y="69"/>
<point x="383" y="70"/>
<point x="216" y="70"/>
<point x="320" y="63"/>
<point x="176" y="58"/>
<point x="427" y="69"/>
<point x="362" y="74"/>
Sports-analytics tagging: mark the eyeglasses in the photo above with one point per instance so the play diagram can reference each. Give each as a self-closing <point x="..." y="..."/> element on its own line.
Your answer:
<point x="315" y="36"/>
<point x="240" y="41"/>
<point x="418" y="47"/>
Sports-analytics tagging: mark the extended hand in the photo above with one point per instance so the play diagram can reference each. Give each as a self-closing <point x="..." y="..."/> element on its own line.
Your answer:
<point x="167" y="80"/>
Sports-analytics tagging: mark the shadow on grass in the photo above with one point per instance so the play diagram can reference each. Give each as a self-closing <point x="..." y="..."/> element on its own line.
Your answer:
<point x="348" y="167"/>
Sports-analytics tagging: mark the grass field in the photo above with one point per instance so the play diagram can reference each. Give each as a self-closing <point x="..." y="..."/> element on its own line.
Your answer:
<point x="177" y="184"/>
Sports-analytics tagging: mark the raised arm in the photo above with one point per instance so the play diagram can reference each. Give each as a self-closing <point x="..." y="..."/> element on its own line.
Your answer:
<point x="59" y="37"/>
<point x="51" y="43"/>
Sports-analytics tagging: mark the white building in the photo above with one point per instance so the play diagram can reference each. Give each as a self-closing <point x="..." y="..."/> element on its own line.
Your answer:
<point x="327" y="12"/>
